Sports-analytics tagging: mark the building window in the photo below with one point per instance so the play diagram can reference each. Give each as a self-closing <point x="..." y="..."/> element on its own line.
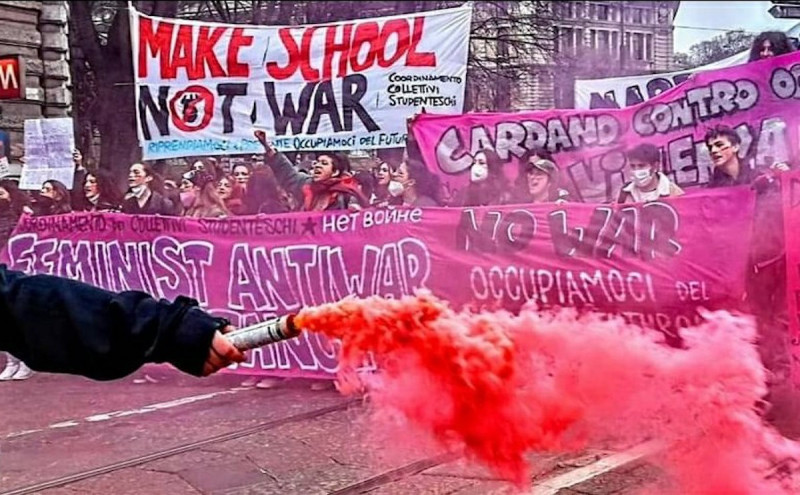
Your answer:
<point x="556" y="39"/>
<point x="568" y="41"/>
<point x="638" y="46"/>
<point x="603" y="42"/>
<point x="603" y="13"/>
<point x="592" y="11"/>
<point x="636" y="14"/>
<point x="615" y="44"/>
<point x="579" y="10"/>
<point x="579" y="40"/>
<point x="593" y="39"/>
<point x="650" y="49"/>
<point x="646" y="16"/>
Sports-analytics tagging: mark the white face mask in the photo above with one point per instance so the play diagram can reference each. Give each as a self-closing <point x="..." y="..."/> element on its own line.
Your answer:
<point x="478" y="173"/>
<point x="138" y="190"/>
<point x="642" y="176"/>
<point x="395" y="188"/>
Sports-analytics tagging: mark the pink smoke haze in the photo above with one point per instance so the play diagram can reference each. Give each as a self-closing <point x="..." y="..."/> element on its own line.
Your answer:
<point x="497" y="386"/>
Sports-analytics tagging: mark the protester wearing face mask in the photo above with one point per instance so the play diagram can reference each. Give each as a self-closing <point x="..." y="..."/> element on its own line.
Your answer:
<point x="487" y="183"/>
<point x="647" y="182"/>
<point x="101" y="192"/>
<point x="145" y="196"/>
<point x="380" y="197"/>
<point x="200" y="199"/>
<point x="330" y="186"/>
<point x="415" y="184"/>
<point x="54" y="199"/>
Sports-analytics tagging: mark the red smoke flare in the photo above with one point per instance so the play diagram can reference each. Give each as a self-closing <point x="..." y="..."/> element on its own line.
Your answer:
<point x="498" y="386"/>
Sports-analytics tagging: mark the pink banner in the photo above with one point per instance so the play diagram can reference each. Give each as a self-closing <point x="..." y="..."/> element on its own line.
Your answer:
<point x="759" y="100"/>
<point x="652" y="263"/>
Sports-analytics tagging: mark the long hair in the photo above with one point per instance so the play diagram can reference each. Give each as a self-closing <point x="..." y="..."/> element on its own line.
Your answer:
<point x="366" y="181"/>
<point x="19" y="199"/>
<point x="425" y="182"/>
<point x="340" y="162"/>
<point x="237" y="191"/>
<point x="495" y="186"/>
<point x="262" y="189"/>
<point x="779" y="42"/>
<point x="107" y="189"/>
<point x="61" y="204"/>
<point x="207" y="202"/>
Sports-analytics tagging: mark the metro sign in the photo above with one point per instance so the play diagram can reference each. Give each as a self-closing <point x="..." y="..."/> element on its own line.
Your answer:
<point x="12" y="77"/>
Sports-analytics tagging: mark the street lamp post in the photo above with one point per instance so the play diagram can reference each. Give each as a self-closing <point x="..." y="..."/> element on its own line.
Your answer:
<point x="622" y="36"/>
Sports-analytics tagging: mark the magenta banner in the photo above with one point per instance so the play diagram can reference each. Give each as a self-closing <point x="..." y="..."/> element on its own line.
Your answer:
<point x="759" y="100"/>
<point x="653" y="263"/>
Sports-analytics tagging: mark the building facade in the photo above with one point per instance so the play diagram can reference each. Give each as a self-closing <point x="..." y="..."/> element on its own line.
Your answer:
<point x="37" y="33"/>
<point x="557" y="42"/>
<point x="609" y="39"/>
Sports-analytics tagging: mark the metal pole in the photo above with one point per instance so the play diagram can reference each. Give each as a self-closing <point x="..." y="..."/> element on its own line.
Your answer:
<point x="622" y="54"/>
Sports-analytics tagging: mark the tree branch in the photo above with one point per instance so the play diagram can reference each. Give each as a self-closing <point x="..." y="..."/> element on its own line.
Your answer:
<point x="86" y="33"/>
<point x="257" y="12"/>
<point x="165" y="9"/>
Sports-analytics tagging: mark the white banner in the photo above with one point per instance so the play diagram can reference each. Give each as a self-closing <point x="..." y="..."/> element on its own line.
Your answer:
<point x="202" y="88"/>
<point x="621" y="92"/>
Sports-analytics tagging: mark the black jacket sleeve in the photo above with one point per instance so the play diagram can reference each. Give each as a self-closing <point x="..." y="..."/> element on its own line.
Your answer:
<point x="63" y="326"/>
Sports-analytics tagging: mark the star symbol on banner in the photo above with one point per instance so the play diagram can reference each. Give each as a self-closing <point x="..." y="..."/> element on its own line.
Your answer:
<point x="309" y="226"/>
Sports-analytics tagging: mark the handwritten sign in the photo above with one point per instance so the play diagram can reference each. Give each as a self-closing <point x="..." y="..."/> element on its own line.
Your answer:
<point x="48" y="152"/>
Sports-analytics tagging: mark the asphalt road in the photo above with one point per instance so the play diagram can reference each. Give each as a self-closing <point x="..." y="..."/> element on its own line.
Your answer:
<point x="67" y="435"/>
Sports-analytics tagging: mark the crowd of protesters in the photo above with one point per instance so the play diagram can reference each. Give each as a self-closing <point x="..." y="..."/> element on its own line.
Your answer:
<point x="274" y="184"/>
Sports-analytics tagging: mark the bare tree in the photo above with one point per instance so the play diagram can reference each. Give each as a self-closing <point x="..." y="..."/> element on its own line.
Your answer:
<point x="509" y="39"/>
<point x="717" y="48"/>
<point x="101" y="31"/>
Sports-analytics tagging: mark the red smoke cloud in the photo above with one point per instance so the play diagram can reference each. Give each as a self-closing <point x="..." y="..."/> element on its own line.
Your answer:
<point x="497" y="386"/>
